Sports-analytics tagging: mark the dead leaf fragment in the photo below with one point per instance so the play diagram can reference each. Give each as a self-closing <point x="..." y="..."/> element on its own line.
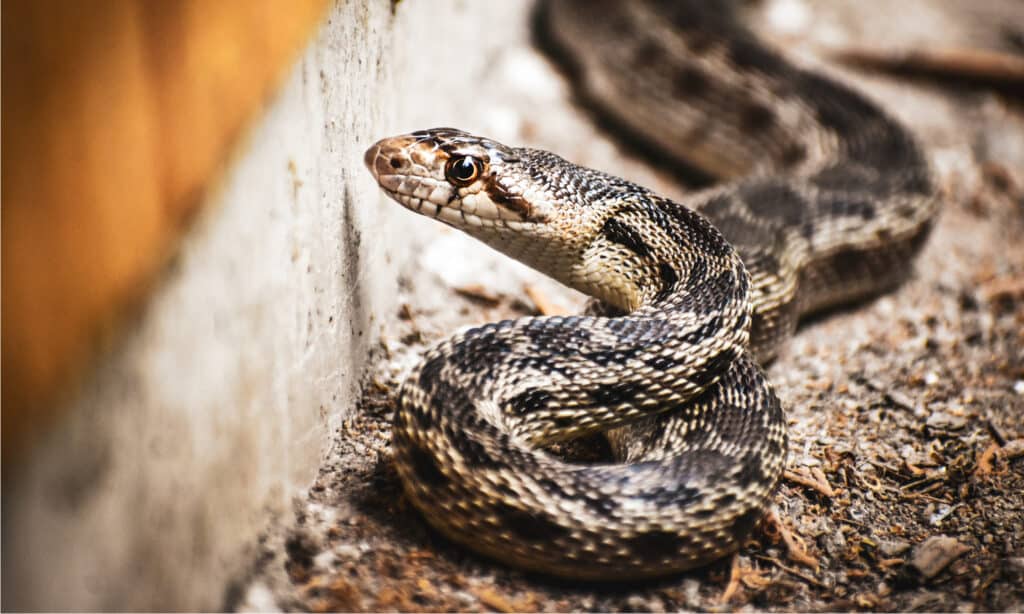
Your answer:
<point x="984" y="464"/>
<point x="812" y="479"/>
<point x="493" y="600"/>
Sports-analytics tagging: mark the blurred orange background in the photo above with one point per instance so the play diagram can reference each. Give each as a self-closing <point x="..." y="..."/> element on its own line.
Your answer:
<point x="117" y="116"/>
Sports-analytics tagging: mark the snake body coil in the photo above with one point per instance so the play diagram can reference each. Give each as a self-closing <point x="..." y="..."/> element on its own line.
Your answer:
<point x="826" y="200"/>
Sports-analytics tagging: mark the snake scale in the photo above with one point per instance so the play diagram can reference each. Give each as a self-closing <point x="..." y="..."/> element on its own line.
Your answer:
<point x="823" y="199"/>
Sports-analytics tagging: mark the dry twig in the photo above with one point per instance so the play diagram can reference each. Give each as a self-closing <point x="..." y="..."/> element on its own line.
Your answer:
<point x="544" y="306"/>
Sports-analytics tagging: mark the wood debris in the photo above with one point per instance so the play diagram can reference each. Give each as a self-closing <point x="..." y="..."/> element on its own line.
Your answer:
<point x="811" y="478"/>
<point x="794" y="544"/>
<point x="543" y="304"/>
<point x="479" y="293"/>
<point x="493" y="600"/>
<point x="734" y="582"/>
<point x="986" y="67"/>
<point x="984" y="465"/>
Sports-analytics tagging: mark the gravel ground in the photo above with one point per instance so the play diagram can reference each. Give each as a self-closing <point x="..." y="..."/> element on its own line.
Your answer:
<point x="905" y="482"/>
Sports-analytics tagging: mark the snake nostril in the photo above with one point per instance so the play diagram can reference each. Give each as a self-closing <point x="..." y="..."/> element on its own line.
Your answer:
<point x="395" y="163"/>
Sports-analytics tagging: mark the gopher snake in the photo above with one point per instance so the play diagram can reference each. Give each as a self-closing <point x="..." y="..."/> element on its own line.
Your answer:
<point x="826" y="200"/>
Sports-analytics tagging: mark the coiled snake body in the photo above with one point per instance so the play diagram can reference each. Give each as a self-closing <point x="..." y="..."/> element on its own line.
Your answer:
<point x="826" y="200"/>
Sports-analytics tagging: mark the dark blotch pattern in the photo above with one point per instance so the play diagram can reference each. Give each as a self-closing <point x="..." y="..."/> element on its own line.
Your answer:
<point x="661" y="363"/>
<point x="691" y="81"/>
<point x="430" y="371"/>
<point x="707" y="331"/>
<point x="474" y="453"/>
<point x="859" y="208"/>
<point x="611" y="395"/>
<point x="713" y="368"/>
<point x="747" y="54"/>
<point x="668" y="277"/>
<point x="426" y="468"/>
<point x="599" y="504"/>
<point x="693" y="230"/>
<point x="530" y="401"/>
<point x="529" y="527"/>
<point x="698" y="274"/>
<point x="541" y="362"/>
<point x="774" y="201"/>
<point x="625" y="235"/>
<point x="835" y="107"/>
<point x="792" y="155"/>
<point x="648" y="53"/>
<point x="658" y="544"/>
<point x="744" y="524"/>
<point x="613" y="357"/>
<point x="707" y="295"/>
<point x="840" y="178"/>
<point x="479" y="352"/>
<point x="756" y="117"/>
<point x="423" y="420"/>
<point x="702" y="281"/>
<point x="564" y="333"/>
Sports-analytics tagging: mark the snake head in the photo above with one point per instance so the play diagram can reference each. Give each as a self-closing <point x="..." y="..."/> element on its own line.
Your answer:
<point x="529" y="204"/>
<point x="460" y="179"/>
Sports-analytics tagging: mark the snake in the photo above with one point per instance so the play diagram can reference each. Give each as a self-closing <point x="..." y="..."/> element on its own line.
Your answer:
<point x="821" y="199"/>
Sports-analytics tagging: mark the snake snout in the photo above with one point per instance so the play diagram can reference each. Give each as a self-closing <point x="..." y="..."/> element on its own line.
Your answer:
<point x="378" y="158"/>
<point x="388" y="157"/>
<point x="370" y="158"/>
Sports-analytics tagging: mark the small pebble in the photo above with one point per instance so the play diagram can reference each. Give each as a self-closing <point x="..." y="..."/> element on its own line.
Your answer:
<point x="465" y="597"/>
<point x="259" y="598"/>
<point x="1013" y="449"/>
<point x="932" y="555"/>
<point x="835" y="543"/>
<point x="948" y="422"/>
<point x="901" y="401"/>
<point x="324" y="560"/>
<point x="893" y="547"/>
<point x="691" y="593"/>
<point x="347" y="551"/>
<point x="943" y="512"/>
<point x="1015" y="564"/>
<point x="639" y="603"/>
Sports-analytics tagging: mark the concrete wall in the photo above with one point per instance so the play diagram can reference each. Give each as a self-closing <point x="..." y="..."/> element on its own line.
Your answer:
<point x="213" y="408"/>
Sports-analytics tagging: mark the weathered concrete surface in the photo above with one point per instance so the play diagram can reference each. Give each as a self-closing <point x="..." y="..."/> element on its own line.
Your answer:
<point x="215" y="408"/>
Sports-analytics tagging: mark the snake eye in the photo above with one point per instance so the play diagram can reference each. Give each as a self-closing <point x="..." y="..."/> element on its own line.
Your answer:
<point x="463" y="170"/>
